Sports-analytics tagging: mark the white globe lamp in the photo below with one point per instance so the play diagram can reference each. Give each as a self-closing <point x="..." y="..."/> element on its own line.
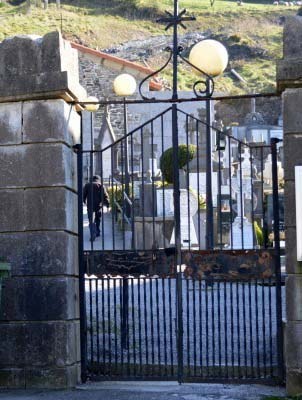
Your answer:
<point x="210" y="56"/>
<point x="124" y="85"/>
<point x="92" y="107"/>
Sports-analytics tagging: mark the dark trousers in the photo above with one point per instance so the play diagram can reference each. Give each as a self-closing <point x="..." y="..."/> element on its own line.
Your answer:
<point x="94" y="217"/>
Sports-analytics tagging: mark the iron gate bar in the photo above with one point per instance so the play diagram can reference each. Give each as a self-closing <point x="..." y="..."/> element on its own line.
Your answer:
<point x="227" y="370"/>
<point x="178" y="100"/>
<point x="82" y="270"/>
<point x="209" y="168"/>
<point x="274" y="142"/>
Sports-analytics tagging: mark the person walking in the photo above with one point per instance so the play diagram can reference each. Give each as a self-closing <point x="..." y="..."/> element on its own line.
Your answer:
<point x="95" y="197"/>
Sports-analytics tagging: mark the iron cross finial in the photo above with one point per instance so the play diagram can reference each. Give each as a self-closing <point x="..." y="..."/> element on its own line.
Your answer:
<point x="177" y="18"/>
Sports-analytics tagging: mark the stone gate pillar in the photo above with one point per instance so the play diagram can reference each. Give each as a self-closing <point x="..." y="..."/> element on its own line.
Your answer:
<point x="289" y="73"/>
<point x="39" y="321"/>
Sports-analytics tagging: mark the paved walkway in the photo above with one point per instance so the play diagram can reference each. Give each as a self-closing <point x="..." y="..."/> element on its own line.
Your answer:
<point x="109" y="228"/>
<point x="151" y="391"/>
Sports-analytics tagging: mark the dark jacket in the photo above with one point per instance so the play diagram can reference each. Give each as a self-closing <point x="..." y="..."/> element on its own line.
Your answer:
<point x="99" y="196"/>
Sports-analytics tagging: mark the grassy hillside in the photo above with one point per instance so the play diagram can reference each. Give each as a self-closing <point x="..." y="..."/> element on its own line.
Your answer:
<point x="252" y="32"/>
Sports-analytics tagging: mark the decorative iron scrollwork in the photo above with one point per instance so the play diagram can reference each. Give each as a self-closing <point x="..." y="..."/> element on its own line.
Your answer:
<point x="153" y="74"/>
<point x="201" y="88"/>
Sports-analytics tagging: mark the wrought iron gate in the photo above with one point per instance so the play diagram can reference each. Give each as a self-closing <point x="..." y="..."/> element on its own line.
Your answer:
<point x="157" y="308"/>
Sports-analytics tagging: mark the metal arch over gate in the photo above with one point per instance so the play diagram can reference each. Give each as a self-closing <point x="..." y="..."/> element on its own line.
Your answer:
<point x="214" y="316"/>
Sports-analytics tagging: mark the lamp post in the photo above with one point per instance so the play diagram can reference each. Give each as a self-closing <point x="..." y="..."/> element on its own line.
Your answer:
<point x="208" y="58"/>
<point x="211" y="57"/>
<point x="125" y="85"/>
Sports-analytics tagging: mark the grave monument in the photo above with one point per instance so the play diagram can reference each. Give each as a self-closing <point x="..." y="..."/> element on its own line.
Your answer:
<point x="242" y="229"/>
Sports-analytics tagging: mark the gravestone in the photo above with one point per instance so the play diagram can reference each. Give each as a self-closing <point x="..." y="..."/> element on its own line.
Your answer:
<point x="198" y="183"/>
<point x="165" y="202"/>
<point x="188" y="208"/>
<point x="147" y="195"/>
<point x="136" y="189"/>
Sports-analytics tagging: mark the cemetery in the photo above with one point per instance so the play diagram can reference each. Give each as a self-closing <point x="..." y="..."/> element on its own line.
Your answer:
<point x="142" y="236"/>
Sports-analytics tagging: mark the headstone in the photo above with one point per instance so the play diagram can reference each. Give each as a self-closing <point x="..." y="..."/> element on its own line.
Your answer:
<point x="242" y="234"/>
<point x="182" y="179"/>
<point x="147" y="151"/>
<point x="155" y="171"/>
<point x="197" y="182"/>
<point x="188" y="208"/>
<point x="147" y="199"/>
<point x="223" y="216"/>
<point x="165" y="202"/>
<point x="258" y="199"/>
<point x="136" y="186"/>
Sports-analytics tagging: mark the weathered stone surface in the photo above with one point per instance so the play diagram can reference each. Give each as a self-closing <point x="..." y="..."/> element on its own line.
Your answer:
<point x="292" y="265"/>
<point x="50" y="209"/>
<point x="38" y="67"/>
<point x="56" y="378"/>
<point x="40" y="378"/>
<point x="292" y="154"/>
<point x="39" y="344"/>
<point x="57" y="342"/>
<point x="38" y="209"/>
<point x="12" y="349"/>
<point x="288" y="74"/>
<point x="12" y="378"/>
<point x="289" y="204"/>
<point x="12" y="210"/>
<point x="294" y="345"/>
<point x="50" y="121"/>
<point x="294" y="382"/>
<point x="289" y="69"/>
<point x="39" y="326"/>
<point x="292" y="37"/>
<point x="40" y="253"/>
<point x="292" y="118"/>
<point x="10" y="157"/>
<point x="40" y="299"/>
<point x="38" y="160"/>
<point x="10" y="123"/>
<point x="294" y="299"/>
<point x="34" y="163"/>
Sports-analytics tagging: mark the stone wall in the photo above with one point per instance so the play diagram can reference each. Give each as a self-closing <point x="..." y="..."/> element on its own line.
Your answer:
<point x="98" y="81"/>
<point x="289" y="71"/>
<point x="39" y="318"/>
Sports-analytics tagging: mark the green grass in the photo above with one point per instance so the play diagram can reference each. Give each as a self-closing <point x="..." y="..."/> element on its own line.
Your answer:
<point x="106" y="23"/>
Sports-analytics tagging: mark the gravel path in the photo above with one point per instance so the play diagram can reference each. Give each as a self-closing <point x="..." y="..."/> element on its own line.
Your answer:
<point x="225" y="325"/>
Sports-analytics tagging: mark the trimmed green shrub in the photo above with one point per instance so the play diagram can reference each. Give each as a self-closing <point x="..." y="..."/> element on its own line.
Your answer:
<point x="185" y="155"/>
